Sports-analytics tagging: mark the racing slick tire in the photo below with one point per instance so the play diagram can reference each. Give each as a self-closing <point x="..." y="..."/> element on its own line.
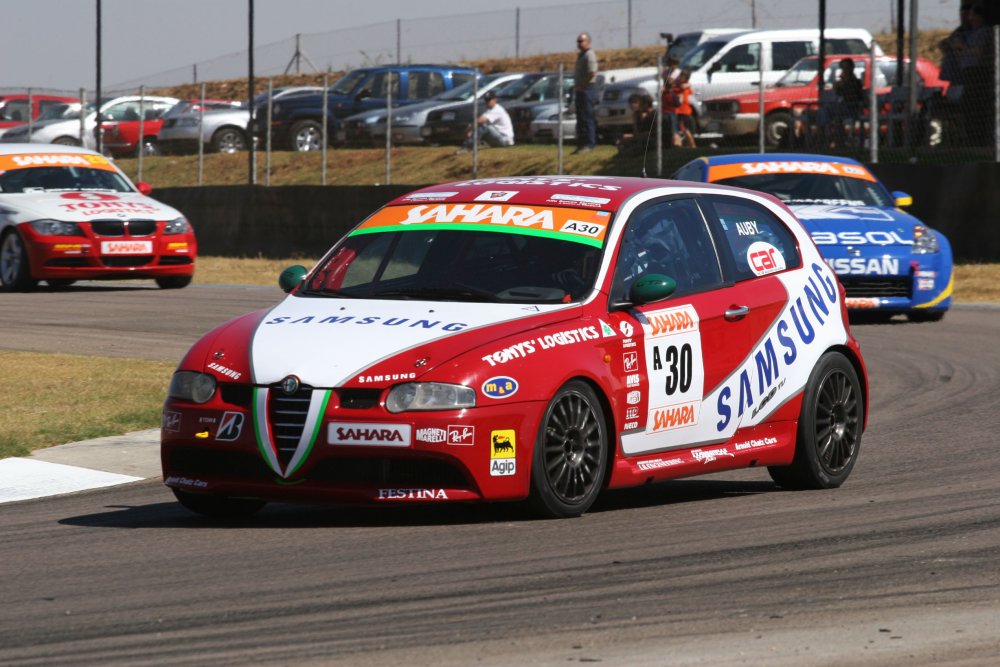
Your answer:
<point x="829" y="434"/>
<point x="15" y="268"/>
<point x="305" y="136"/>
<point x="59" y="283"/>
<point x="570" y="460"/>
<point x="173" y="282"/>
<point x="229" y="140"/>
<point x="219" y="507"/>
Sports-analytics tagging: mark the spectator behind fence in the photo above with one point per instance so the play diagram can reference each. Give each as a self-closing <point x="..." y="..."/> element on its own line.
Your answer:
<point x="846" y="107"/>
<point x="966" y="60"/>
<point x="584" y="87"/>
<point x="685" y="117"/>
<point x="495" y="128"/>
<point x="643" y="115"/>
<point x="669" y="99"/>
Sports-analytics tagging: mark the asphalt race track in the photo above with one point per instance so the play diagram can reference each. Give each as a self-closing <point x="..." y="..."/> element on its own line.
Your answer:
<point x="901" y="566"/>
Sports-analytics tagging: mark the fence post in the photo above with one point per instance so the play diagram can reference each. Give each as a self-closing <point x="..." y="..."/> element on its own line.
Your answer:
<point x="872" y="107"/>
<point x="31" y="114"/>
<point x="761" y="139"/>
<point x="142" y="137"/>
<point x="323" y="133"/>
<point x="83" y="117"/>
<point x="559" y="128"/>
<point x="201" y="137"/>
<point x="267" y="141"/>
<point x="388" y="131"/>
<point x="517" y="32"/>
<point x="475" y="123"/>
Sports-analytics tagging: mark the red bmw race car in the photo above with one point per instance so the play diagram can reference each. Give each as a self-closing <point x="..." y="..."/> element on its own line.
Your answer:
<point x="528" y="337"/>
<point x="70" y="214"/>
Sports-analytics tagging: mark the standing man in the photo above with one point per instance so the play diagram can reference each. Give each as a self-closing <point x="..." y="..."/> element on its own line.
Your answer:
<point x="584" y="75"/>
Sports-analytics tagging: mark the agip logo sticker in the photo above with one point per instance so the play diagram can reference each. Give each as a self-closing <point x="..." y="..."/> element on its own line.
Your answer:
<point x="503" y="453"/>
<point x="499" y="387"/>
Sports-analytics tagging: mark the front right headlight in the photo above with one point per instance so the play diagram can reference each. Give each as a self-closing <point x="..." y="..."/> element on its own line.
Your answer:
<point x="429" y="396"/>
<point x="56" y="228"/>
<point x="178" y="226"/>
<point x="192" y="386"/>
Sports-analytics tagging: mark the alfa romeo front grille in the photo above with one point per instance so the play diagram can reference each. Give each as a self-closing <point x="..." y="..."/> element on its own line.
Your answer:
<point x="287" y="415"/>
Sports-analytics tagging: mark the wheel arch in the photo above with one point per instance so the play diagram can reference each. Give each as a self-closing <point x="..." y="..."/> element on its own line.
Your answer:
<point x="609" y="422"/>
<point x="859" y="369"/>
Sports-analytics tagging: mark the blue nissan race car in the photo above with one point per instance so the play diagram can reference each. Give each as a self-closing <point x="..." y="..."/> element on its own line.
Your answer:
<point x="888" y="261"/>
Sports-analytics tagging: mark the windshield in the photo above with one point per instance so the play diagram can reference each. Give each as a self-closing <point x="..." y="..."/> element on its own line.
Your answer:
<point x="347" y="83"/>
<point x="802" y="73"/>
<point x="48" y="179"/>
<point x="486" y="253"/>
<point x="515" y="88"/>
<point x="828" y="190"/>
<point x="701" y="54"/>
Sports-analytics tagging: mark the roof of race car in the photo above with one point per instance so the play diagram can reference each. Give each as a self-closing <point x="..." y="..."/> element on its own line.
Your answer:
<point x="605" y="193"/>
<point x="738" y="158"/>
<point x="18" y="149"/>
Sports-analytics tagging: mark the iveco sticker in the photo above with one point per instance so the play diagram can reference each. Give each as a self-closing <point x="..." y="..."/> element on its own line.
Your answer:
<point x="499" y="387"/>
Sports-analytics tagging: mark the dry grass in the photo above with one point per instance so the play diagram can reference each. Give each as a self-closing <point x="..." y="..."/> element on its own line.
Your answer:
<point x="76" y="398"/>
<point x="977" y="283"/>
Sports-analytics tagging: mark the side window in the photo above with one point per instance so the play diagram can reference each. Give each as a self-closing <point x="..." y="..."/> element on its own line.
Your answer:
<point x="122" y="111"/>
<point x="742" y="58"/>
<point x="16" y="110"/>
<point x="846" y="46"/>
<point x="786" y="54"/>
<point x="671" y="238"/>
<point x="426" y="84"/>
<point x="458" y="78"/>
<point x="759" y="242"/>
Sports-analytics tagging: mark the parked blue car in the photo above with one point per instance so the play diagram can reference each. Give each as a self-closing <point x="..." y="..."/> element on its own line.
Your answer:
<point x="888" y="261"/>
<point x="297" y="122"/>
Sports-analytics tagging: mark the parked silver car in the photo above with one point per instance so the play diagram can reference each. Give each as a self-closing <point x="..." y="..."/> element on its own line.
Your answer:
<point x="223" y="127"/>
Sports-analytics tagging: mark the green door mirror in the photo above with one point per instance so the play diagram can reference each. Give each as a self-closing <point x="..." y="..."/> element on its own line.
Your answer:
<point x="291" y="277"/>
<point x="651" y="287"/>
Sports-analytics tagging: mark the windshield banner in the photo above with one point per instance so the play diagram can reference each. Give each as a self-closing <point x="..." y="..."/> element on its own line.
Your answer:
<point x="55" y="160"/>
<point x="579" y="226"/>
<point x="718" y="172"/>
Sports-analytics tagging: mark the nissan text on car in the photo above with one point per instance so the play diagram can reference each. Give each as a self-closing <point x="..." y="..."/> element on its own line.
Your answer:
<point x="541" y="338"/>
<point x="69" y="214"/>
<point x="888" y="260"/>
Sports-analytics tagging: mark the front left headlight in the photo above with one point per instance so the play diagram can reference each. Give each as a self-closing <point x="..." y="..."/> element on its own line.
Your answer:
<point x="178" y="226"/>
<point x="192" y="386"/>
<point x="429" y="396"/>
<point x="56" y="228"/>
<point x="924" y="241"/>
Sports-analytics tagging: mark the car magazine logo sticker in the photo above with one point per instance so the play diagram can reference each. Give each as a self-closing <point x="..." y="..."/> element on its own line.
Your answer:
<point x="503" y="453"/>
<point x="55" y="160"/>
<point x="718" y="172"/>
<point x="764" y="258"/>
<point x="576" y="225"/>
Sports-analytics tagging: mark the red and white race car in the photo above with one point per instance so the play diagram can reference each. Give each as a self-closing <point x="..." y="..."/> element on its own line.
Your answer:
<point x="70" y="214"/>
<point x="528" y="337"/>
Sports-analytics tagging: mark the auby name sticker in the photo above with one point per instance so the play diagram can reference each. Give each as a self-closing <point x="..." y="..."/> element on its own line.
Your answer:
<point x="718" y="172"/>
<point x="576" y="225"/>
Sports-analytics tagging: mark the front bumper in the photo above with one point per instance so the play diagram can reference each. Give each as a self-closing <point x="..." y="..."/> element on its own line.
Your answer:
<point x="93" y="257"/>
<point x="448" y="458"/>
<point x="924" y="284"/>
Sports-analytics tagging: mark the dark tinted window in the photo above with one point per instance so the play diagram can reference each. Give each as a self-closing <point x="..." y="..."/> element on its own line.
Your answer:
<point x="759" y="242"/>
<point x="742" y="58"/>
<point x="846" y="46"/>
<point x="786" y="54"/>
<point x="671" y="238"/>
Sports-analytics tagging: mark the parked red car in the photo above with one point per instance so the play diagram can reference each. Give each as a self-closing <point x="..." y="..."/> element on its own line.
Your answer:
<point x="120" y="124"/>
<point x="739" y="114"/>
<point x="14" y="108"/>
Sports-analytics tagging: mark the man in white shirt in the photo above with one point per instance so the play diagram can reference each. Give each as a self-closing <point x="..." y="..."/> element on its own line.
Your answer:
<point x="495" y="127"/>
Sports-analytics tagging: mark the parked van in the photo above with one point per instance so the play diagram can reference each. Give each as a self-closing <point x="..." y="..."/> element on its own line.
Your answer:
<point x="732" y="62"/>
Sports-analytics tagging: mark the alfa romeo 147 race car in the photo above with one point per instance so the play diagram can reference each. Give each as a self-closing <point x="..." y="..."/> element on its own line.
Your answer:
<point x="539" y="337"/>
<point x="70" y="214"/>
<point x="889" y="261"/>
